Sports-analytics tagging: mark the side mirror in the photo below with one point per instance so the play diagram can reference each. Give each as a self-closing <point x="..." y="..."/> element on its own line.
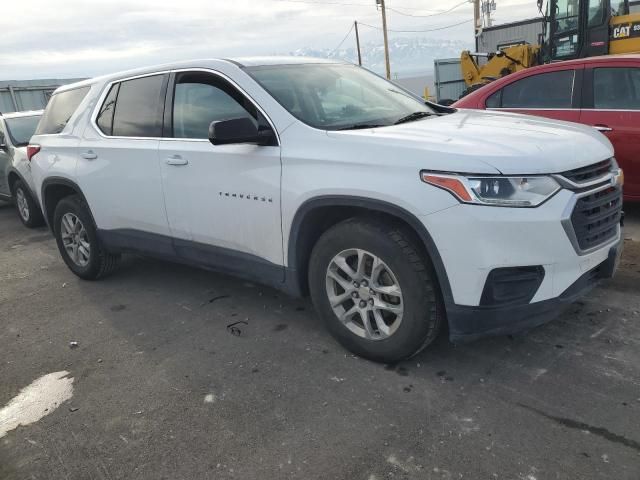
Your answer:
<point x="238" y="130"/>
<point x="3" y="143"/>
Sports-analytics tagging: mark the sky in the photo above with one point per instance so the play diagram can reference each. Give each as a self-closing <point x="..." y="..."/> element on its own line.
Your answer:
<point x="81" y="38"/>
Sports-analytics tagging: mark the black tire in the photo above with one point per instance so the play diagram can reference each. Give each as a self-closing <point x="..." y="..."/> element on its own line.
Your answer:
<point x="100" y="261"/>
<point x="396" y="247"/>
<point x="31" y="217"/>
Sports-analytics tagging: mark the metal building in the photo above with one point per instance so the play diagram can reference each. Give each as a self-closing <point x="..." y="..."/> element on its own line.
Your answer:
<point x="20" y="95"/>
<point x="493" y="39"/>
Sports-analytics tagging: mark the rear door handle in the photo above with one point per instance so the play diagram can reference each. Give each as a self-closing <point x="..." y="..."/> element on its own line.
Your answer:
<point x="89" y="155"/>
<point x="603" y="128"/>
<point x="176" y="160"/>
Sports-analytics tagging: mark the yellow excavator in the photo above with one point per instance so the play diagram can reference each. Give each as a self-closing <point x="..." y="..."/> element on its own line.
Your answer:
<point x="572" y="29"/>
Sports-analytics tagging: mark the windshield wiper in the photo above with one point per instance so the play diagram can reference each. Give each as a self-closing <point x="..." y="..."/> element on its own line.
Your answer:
<point x="413" y="116"/>
<point x="361" y="126"/>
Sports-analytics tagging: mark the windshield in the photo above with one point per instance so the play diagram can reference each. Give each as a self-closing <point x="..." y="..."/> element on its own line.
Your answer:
<point x="338" y="97"/>
<point x="21" y="129"/>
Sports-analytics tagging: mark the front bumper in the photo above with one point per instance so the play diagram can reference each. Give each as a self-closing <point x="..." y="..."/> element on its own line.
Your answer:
<point x="468" y="323"/>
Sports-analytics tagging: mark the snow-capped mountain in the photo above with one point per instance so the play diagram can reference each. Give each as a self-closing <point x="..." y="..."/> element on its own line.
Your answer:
<point x="409" y="56"/>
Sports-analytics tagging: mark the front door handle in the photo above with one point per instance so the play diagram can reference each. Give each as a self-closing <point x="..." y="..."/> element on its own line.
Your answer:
<point x="89" y="155"/>
<point x="603" y="128"/>
<point x="176" y="160"/>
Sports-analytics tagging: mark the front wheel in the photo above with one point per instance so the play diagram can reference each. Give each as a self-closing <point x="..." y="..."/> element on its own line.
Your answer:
<point x="28" y="210"/>
<point x="374" y="290"/>
<point x="78" y="241"/>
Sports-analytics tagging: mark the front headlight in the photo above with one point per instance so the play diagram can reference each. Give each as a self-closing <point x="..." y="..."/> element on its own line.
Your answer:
<point x="499" y="191"/>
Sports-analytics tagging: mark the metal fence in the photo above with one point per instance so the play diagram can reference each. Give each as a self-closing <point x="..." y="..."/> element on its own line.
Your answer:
<point x="20" y="95"/>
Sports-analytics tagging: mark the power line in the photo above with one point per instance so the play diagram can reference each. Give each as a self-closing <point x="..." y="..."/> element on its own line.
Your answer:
<point x="343" y="40"/>
<point x="430" y="15"/>
<point x="419" y="31"/>
<point x="320" y="4"/>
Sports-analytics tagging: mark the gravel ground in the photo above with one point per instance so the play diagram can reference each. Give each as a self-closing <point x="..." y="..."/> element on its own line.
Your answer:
<point x="159" y="386"/>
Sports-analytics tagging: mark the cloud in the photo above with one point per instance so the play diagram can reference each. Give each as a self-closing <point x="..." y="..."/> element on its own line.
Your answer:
<point x="44" y="39"/>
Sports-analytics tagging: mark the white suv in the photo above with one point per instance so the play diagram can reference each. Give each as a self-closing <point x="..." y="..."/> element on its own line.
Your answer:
<point x="322" y="178"/>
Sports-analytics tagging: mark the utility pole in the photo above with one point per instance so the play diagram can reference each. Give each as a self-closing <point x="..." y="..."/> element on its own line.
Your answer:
<point x="358" y="43"/>
<point x="386" y="38"/>
<point x="477" y="20"/>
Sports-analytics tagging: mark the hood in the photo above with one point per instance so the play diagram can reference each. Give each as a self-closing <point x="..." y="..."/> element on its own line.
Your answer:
<point x="473" y="141"/>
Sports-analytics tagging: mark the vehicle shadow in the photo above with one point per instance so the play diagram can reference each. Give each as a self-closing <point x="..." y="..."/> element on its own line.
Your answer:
<point x="155" y="297"/>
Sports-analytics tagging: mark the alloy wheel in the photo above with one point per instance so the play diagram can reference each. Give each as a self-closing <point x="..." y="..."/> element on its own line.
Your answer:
<point x="364" y="294"/>
<point x="23" y="205"/>
<point x="75" y="239"/>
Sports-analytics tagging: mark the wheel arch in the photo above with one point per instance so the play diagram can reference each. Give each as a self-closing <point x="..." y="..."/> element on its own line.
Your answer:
<point x="55" y="189"/>
<point x="13" y="176"/>
<point x="320" y="213"/>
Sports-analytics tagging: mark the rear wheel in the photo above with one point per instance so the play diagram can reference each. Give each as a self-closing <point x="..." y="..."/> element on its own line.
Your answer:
<point x="374" y="290"/>
<point x="28" y="210"/>
<point x="78" y="241"/>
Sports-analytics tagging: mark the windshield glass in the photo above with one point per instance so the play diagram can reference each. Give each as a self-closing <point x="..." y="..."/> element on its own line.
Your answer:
<point x="338" y="97"/>
<point x="21" y="129"/>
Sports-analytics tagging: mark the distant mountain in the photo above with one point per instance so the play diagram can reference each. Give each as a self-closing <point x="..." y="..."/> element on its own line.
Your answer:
<point x="409" y="56"/>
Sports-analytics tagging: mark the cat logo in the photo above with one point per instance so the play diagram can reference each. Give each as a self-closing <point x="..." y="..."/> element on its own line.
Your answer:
<point x="623" y="31"/>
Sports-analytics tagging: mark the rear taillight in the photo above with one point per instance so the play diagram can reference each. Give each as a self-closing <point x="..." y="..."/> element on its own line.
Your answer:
<point x="32" y="150"/>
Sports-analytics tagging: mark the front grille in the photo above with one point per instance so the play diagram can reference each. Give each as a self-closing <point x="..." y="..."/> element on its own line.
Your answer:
<point x="596" y="216"/>
<point x="590" y="172"/>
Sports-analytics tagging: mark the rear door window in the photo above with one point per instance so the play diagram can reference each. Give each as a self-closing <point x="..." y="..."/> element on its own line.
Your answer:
<point x="60" y="109"/>
<point x="553" y="90"/>
<point x="139" y="107"/>
<point x="616" y="88"/>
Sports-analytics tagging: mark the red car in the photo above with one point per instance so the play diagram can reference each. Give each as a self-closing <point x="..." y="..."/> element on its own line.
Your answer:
<point x="603" y="92"/>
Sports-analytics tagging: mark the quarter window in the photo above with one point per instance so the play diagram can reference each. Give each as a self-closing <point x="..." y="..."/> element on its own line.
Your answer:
<point x="495" y="100"/>
<point x="552" y="90"/>
<point x="60" y="109"/>
<point x="105" y="116"/>
<point x="200" y="99"/>
<point x="138" y="109"/>
<point x="616" y="88"/>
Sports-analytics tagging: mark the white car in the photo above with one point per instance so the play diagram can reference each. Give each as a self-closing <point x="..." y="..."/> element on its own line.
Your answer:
<point x="322" y="178"/>
<point x="16" y="183"/>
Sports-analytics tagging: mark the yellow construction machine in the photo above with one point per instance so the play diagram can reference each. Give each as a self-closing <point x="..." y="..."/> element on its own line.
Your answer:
<point x="572" y="29"/>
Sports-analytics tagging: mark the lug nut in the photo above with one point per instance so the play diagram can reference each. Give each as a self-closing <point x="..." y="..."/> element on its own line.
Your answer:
<point x="372" y="291"/>
<point x="371" y="301"/>
<point x="356" y="284"/>
<point x="354" y="294"/>
<point x="365" y="283"/>
<point x="363" y="304"/>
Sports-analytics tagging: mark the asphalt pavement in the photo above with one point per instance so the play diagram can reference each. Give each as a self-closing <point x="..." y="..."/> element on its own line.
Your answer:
<point x="168" y="372"/>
